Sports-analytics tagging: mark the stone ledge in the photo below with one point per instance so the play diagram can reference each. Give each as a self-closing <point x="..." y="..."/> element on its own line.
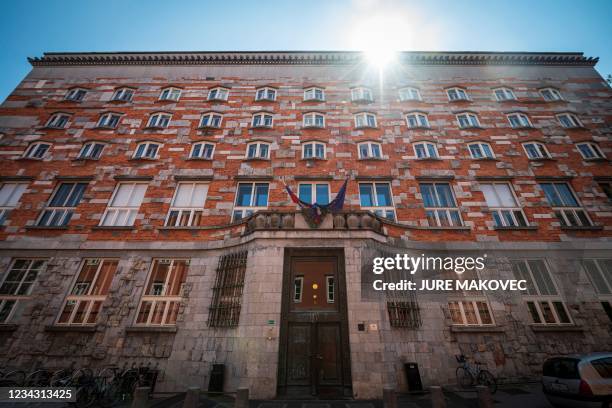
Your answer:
<point x="527" y="228"/>
<point x="151" y="329"/>
<point x="583" y="228"/>
<point x="73" y="328"/>
<point x="558" y="328"/>
<point x="8" y="327"/>
<point x="476" y="329"/>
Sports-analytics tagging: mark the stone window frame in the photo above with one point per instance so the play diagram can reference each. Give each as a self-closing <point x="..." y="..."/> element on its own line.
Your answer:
<point x="143" y="150"/>
<point x="427" y="153"/>
<point x="550" y="94"/>
<point x="58" y="120"/>
<point x="131" y="211"/>
<point x="538" y="296"/>
<point x="482" y="147"/>
<point x="460" y="94"/>
<point x="252" y="208"/>
<point x="210" y="120"/>
<point x="362" y="94"/>
<point x="472" y="119"/>
<point x="32" y="151"/>
<point x="259" y="120"/>
<point x="382" y="211"/>
<point x="77" y="298"/>
<point x="266" y="93"/>
<point x="522" y="120"/>
<point x="420" y="119"/>
<point x="170" y="93"/>
<point x="159" y="120"/>
<point x="568" y="215"/>
<point x="313" y="190"/>
<point x="365" y="118"/>
<point x="59" y="214"/>
<point x="171" y="303"/>
<point x="314" y="144"/>
<point x="540" y="148"/>
<point x="88" y="148"/>
<point x="605" y="296"/>
<point x="370" y="150"/>
<point x="508" y="94"/>
<point x="105" y="121"/>
<point x="217" y="90"/>
<point x="202" y="149"/>
<point x="313" y="90"/>
<point x="506" y="216"/>
<point x="569" y="120"/>
<point x="75" y="94"/>
<point x="194" y="213"/>
<point x="123" y="94"/>
<point x="312" y="117"/>
<point x="13" y="298"/>
<point x="258" y="150"/>
<point x="474" y="301"/>
<point x="11" y="200"/>
<point x="594" y="150"/>
<point x="434" y="212"/>
<point x="412" y="91"/>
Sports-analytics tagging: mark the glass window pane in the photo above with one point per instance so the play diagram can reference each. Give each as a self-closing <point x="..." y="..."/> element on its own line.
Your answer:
<point x="542" y="277"/>
<point x="567" y="198"/>
<point x="322" y="194"/>
<point x="366" y="195"/>
<point x="551" y="194"/>
<point x="383" y="195"/>
<point x="305" y="193"/>
<point x="243" y="198"/>
<point x="490" y="197"/>
<point x="444" y="195"/>
<point x="261" y="195"/>
<point x="505" y="195"/>
<point x="427" y="191"/>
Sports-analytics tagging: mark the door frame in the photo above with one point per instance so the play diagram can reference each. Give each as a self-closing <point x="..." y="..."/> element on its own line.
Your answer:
<point x="286" y="317"/>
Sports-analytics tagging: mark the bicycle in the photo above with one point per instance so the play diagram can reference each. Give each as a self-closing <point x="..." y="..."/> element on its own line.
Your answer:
<point x="469" y="375"/>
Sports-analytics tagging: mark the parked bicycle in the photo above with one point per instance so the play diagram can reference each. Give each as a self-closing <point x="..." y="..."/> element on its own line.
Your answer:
<point x="469" y="375"/>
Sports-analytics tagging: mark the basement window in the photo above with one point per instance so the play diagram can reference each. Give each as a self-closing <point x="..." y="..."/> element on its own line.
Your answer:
<point x="226" y="301"/>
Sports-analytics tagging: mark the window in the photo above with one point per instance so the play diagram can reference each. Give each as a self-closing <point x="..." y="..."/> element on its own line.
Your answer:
<point x="569" y="120"/>
<point x="377" y="198"/>
<point x="187" y="205"/>
<point x="298" y="289"/>
<point x="170" y="94"/>
<point x="37" y="150"/>
<point x="314" y="119"/>
<point x="123" y="95"/>
<point x="202" y="150"/>
<point x="590" y="151"/>
<point x="365" y="120"/>
<point x="544" y="303"/>
<point x="211" y="120"/>
<point x="17" y="285"/>
<point x="262" y="120"/>
<point x="58" y="121"/>
<point x="503" y="205"/>
<point x="504" y="94"/>
<point x="314" y="94"/>
<point x="426" y="150"/>
<point x="265" y="94"/>
<point x="536" y="150"/>
<point x="124" y="204"/>
<point x="75" y="95"/>
<point x="456" y="94"/>
<point x="91" y="151"/>
<point x="607" y="306"/>
<point x="409" y="94"/>
<point x="313" y="150"/>
<point x="330" y="285"/>
<point x="146" y="150"/>
<point x="250" y="197"/>
<point x="468" y="120"/>
<point x="519" y="120"/>
<point x="258" y="150"/>
<point x="417" y="120"/>
<point x="61" y="207"/>
<point x="109" y="120"/>
<point x="218" y="94"/>
<point x="227" y="290"/>
<point x="470" y="313"/>
<point x="361" y="95"/>
<point x="565" y="205"/>
<point x="481" y="150"/>
<point x="440" y="206"/>
<point x="599" y="272"/>
<point x="369" y="150"/>
<point x="551" y="94"/>
<point x="10" y="194"/>
<point x="314" y="193"/>
<point x="160" y="302"/>
<point x="159" y="120"/>
<point x="84" y="303"/>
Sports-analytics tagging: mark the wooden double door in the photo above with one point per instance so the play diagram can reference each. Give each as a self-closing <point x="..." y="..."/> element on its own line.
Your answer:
<point x="314" y="359"/>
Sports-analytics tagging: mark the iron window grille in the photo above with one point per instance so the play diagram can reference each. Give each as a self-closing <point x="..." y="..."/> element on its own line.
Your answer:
<point x="226" y="303"/>
<point x="62" y="205"/>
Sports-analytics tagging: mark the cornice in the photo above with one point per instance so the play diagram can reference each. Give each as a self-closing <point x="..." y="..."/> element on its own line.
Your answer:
<point x="306" y="58"/>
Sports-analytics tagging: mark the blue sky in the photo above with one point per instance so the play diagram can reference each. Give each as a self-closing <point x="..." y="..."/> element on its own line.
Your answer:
<point x="28" y="28"/>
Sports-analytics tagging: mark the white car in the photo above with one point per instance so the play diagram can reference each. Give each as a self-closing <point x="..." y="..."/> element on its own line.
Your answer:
<point x="579" y="381"/>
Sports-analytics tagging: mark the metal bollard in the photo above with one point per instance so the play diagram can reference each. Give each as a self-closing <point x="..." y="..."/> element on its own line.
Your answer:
<point x="141" y="397"/>
<point x="192" y="398"/>
<point x="242" y="398"/>
<point x="437" y="397"/>
<point x="389" y="398"/>
<point x="485" y="399"/>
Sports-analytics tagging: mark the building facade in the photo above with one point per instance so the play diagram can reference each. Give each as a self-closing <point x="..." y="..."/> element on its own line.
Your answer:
<point x="145" y="218"/>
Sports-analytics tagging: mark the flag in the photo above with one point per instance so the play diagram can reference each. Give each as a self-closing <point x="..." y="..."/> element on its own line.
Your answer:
<point x="314" y="213"/>
<point x="337" y="203"/>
